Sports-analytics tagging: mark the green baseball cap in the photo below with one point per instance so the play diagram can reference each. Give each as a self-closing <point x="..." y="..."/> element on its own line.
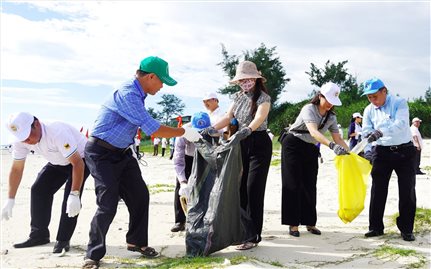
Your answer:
<point x="159" y="67"/>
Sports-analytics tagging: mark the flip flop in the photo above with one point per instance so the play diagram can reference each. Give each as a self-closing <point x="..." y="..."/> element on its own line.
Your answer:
<point x="246" y="245"/>
<point x="148" y="252"/>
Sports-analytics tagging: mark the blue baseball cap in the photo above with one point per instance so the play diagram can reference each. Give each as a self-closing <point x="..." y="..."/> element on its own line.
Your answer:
<point x="372" y="86"/>
<point x="201" y="120"/>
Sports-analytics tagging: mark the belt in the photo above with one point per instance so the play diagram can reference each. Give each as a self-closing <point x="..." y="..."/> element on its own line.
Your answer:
<point x="105" y="144"/>
<point x="397" y="147"/>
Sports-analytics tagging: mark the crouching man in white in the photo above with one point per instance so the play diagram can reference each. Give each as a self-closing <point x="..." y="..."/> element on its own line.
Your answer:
<point x="63" y="147"/>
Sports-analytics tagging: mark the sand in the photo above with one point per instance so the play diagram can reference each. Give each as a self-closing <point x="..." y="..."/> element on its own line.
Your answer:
<point x="340" y="245"/>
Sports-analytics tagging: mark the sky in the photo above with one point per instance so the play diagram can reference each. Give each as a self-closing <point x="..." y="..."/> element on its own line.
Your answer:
<point x="61" y="59"/>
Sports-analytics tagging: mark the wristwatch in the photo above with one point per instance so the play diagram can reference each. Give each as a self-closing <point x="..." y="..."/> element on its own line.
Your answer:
<point x="75" y="193"/>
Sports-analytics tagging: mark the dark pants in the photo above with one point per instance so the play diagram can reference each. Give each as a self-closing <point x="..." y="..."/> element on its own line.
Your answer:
<point x="386" y="160"/>
<point x="418" y="160"/>
<point x="299" y="168"/>
<point x="180" y="217"/>
<point x="163" y="152"/>
<point x="156" y="150"/>
<point x="49" y="180"/>
<point x="116" y="174"/>
<point x="256" y="152"/>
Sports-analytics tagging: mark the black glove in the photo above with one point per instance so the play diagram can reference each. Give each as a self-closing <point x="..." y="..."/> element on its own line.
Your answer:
<point x="374" y="136"/>
<point x="241" y="134"/>
<point x="369" y="156"/>
<point x="208" y="131"/>
<point x="339" y="150"/>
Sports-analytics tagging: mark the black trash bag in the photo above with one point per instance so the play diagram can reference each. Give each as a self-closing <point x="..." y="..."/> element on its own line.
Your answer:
<point x="215" y="219"/>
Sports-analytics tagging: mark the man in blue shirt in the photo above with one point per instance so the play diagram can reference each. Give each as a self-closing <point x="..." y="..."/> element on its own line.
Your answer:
<point x="115" y="171"/>
<point x="386" y="122"/>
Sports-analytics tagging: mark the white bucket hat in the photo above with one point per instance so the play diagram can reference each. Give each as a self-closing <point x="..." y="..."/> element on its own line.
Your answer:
<point x="244" y="70"/>
<point x="416" y="119"/>
<point x="331" y="91"/>
<point x="209" y="95"/>
<point x="20" y="125"/>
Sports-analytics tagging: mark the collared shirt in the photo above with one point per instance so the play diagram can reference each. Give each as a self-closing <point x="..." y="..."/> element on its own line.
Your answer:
<point x="182" y="148"/>
<point x="122" y="114"/>
<point x="415" y="132"/>
<point x="58" y="142"/>
<point x="310" y="114"/>
<point x="392" y="119"/>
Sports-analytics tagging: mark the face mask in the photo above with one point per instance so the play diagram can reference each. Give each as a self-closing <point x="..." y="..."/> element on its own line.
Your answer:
<point x="247" y="84"/>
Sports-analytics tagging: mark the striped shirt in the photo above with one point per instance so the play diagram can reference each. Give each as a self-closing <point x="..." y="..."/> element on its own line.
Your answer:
<point x="122" y="114"/>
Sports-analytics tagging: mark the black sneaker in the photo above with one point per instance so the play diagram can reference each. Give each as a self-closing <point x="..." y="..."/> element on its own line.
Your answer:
<point x="60" y="245"/>
<point x="408" y="236"/>
<point x="372" y="233"/>
<point x="31" y="242"/>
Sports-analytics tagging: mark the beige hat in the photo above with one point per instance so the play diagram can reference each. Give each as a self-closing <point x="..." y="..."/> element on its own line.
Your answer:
<point x="20" y="125"/>
<point x="416" y="119"/>
<point x="244" y="70"/>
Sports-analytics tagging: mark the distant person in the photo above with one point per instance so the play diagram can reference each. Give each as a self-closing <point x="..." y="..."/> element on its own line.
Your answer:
<point x="171" y="147"/>
<point x="250" y="107"/>
<point x="386" y="122"/>
<point x="183" y="162"/>
<point x="156" y="143"/>
<point x="137" y="144"/>
<point x="341" y="131"/>
<point x="164" y="145"/>
<point x="299" y="158"/>
<point x="63" y="147"/>
<point x="355" y="130"/>
<point x="115" y="171"/>
<point x="418" y="143"/>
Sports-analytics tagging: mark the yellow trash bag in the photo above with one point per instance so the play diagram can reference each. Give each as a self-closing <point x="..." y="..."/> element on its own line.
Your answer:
<point x="353" y="173"/>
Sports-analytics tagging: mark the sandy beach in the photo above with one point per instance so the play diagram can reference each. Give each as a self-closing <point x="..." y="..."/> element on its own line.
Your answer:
<point x="340" y="245"/>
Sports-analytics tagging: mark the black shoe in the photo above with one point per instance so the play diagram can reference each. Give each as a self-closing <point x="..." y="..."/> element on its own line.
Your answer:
<point x="179" y="226"/>
<point x="31" y="242"/>
<point x="314" y="230"/>
<point x="60" y="245"/>
<point x="420" y="173"/>
<point x="408" y="236"/>
<point x="372" y="233"/>
<point x="294" y="233"/>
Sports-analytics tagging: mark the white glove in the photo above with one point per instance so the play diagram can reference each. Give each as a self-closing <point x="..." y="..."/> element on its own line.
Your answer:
<point x="73" y="205"/>
<point x="6" y="212"/>
<point x="184" y="190"/>
<point x="191" y="134"/>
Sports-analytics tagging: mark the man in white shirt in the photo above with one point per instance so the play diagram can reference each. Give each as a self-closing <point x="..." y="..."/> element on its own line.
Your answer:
<point x="63" y="147"/>
<point x="211" y="103"/>
<point x="417" y="142"/>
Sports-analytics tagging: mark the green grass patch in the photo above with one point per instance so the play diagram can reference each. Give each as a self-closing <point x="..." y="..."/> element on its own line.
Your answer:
<point x="276" y="162"/>
<point x="157" y="188"/>
<point x="422" y="220"/>
<point x="393" y="253"/>
<point x="427" y="168"/>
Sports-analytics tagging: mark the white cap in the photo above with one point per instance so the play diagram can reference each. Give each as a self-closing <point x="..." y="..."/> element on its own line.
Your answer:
<point x="357" y="115"/>
<point x="331" y="91"/>
<point x="210" y="95"/>
<point x="20" y="125"/>
<point x="416" y="119"/>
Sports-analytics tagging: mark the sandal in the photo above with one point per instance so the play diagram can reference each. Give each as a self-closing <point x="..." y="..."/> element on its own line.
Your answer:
<point x="246" y="245"/>
<point x="147" y="252"/>
<point x="90" y="264"/>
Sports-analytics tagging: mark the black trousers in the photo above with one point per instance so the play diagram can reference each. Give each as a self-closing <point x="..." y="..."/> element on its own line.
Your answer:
<point x="299" y="168"/>
<point x="156" y="150"/>
<point x="49" y="180"/>
<point x="402" y="161"/>
<point x="256" y="152"/>
<point x="163" y="152"/>
<point x="116" y="174"/>
<point x="180" y="217"/>
<point x="418" y="160"/>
